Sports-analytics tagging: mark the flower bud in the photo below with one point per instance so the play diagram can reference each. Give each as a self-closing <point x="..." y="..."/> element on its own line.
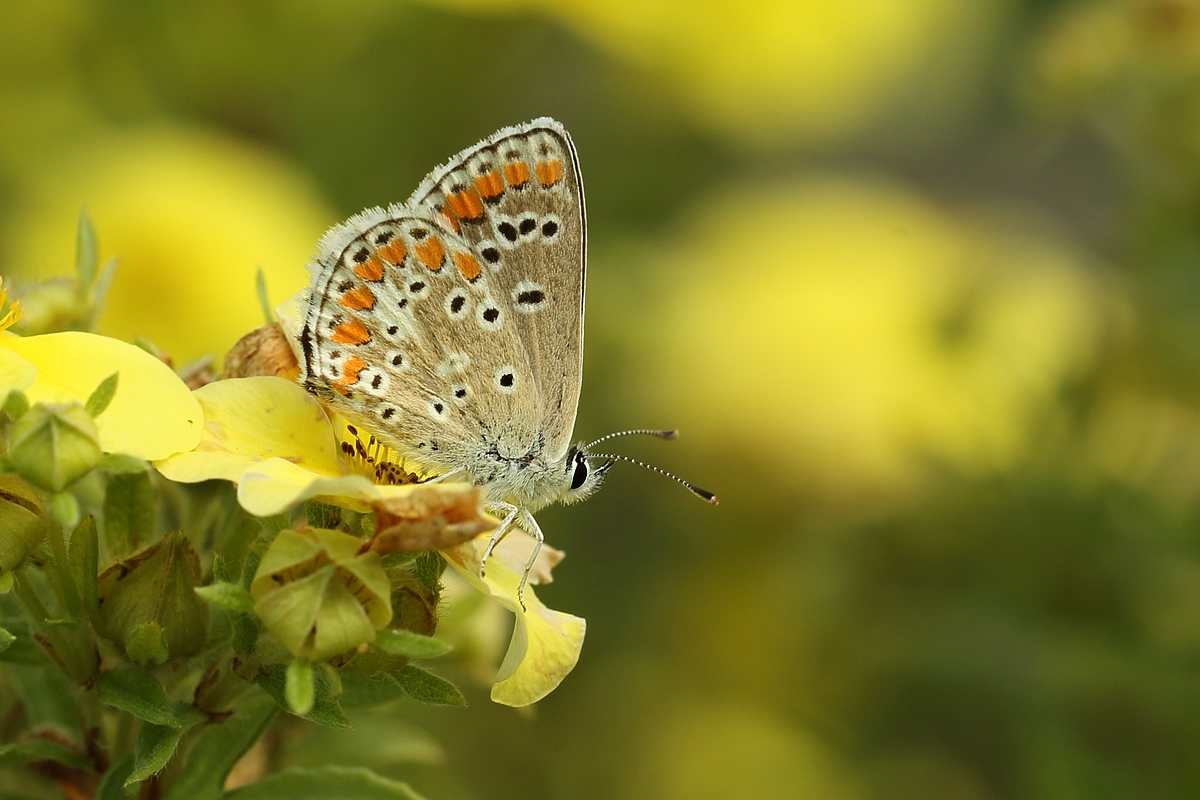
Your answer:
<point x="155" y="585"/>
<point x="21" y="525"/>
<point x="53" y="445"/>
<point x="319" y="595"/>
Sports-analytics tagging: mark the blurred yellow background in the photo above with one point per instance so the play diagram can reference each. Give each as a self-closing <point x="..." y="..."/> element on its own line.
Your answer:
<point x="919" y="281"/>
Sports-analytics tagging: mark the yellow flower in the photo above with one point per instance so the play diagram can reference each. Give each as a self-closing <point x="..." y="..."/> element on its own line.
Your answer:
<point x="847" y="334"/>
<point x="152" y="415"/>
<point x="272" y="438"/>
<point x="190" y="214"/>
<point x="776" y="70"/>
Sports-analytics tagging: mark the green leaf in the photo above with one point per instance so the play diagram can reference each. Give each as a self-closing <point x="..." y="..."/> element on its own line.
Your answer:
<point x="369" y="691"/>
<point x="155" y="746"/>
<point x="99" y="399"/>
<point x="6" y="639"/>
<point x="325" y="710"/>
<point x="128" y="512"/>
<point x="406" y="643"/>
<point x="16" y="405"/>
<point x="87" y="253"/>
<point x="227" y="596"/>
<point x="298" y="689"/>
<point x="136" y="691"/>
<point x="112" y="785"/>
<point x="425" y="687"/>
<point x="13" y="755"/>
<point x="428" y="570"/>
<point x="322" y="783"/>
<point x="83" y="564"/>
<point x="146" y="644"/>
<point x="218" y="747"/>
<point x="120" y="464"/>
<point x="100" y="288"/>
<point x="264" y="301"/>
<point x="245" y="629"/>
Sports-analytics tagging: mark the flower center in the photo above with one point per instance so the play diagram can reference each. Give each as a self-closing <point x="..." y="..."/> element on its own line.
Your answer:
<point x="374" y="460"/>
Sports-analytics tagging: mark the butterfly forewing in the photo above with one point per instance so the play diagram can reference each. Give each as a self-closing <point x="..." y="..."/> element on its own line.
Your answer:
<point x="452" y="325"/>
<point x="517" y="198"/>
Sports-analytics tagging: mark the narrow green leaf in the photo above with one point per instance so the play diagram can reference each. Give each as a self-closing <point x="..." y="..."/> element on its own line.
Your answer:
<point x="6" y="639"/>
<point x="218" y="747"/>
<point x="87" y="252"/>
<point x="83" y="561"/>
<point x="128" y="512"/>
<point x="425" y="687"/>
<point x="146" y="644"/>
<point x="325" y="710"/>
<point x="264" y="300"/>
<point x="61" y="575"/>
<point x="136" y="691"/>
<point x="6" y="582"/>
<point x="16" y="405"/>
<point x="112" y="785"/>
<point x="322" y="783"/>
<point x="154" y="748"/>
<point x="103" y="281"/>
<point x="99" y="399"/>
<point x="227" y="596"/>
<point x="16" y="754"/>
<point x="298" y="689"/>
<point x="406" y="643"/>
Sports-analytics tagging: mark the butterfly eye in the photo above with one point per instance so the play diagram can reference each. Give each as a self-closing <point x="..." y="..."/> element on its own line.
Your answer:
<point x="581" y="474"/>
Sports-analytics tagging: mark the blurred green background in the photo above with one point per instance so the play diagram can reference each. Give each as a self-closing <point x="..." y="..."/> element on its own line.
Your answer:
<point x="919" y="281"/>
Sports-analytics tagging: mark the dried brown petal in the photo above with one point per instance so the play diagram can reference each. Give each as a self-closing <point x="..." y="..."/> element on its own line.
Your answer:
<point x="429" y="517"/>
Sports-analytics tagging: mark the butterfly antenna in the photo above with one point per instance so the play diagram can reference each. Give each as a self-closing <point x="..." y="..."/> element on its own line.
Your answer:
<point x="703" y="494"/>
<point x="645" y="431"/>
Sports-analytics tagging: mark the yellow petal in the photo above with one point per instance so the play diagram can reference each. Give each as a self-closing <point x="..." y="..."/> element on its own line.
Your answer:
<point x="250" y="420"/>
<point x="152" y="415"/>
<point x="545" y="643"/>
<point x="276" y="485"/>
<point x="16" y="374"/>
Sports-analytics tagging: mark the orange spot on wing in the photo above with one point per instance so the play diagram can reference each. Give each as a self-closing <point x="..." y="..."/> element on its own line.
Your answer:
<point x="549" y="172"/>
<point x="466" y="205"/>
<point x="360" y="299"/>
<point x="467" y="265"/>
<point x="352" y="332"/>
<point x="370" y="270"/>
<point x="431" y="252"/>
<point x="351" y="369"/>
<point x="490" y="185"/>
<point x="395" y="252"/>
<point x="516" y="173"/>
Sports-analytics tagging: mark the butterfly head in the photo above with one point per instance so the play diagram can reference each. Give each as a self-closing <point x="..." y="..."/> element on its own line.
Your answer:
<point x="585" y="476"/>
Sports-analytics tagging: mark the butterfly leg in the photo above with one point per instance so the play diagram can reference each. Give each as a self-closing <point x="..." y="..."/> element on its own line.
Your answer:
<point x="510" y="516"/>
<point x="444" y="476"/>
<point x="532" y="527"/>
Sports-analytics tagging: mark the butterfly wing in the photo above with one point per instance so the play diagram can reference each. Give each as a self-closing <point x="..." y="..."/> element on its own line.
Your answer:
<point x="517" y="198"/>
<point x="398" y="335"/>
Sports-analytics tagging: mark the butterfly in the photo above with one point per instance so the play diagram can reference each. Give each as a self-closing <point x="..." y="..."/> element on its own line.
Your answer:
<point x="451" y="326"/>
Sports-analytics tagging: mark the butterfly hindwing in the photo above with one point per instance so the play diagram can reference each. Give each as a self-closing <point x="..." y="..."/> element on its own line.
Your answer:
<point x="396" y="336"/>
